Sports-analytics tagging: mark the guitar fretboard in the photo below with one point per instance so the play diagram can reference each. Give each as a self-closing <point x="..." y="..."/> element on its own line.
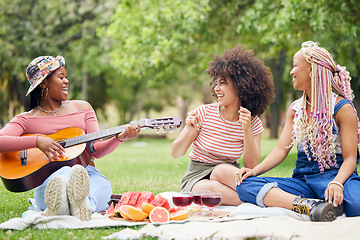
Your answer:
<point x="97" y="135"/>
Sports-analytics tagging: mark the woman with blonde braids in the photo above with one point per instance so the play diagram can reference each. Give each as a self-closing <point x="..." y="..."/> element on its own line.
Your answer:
<point x="324" y="124"/>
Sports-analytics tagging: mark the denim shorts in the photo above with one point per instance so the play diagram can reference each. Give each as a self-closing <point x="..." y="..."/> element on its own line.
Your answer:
<point x="307" y="181"/>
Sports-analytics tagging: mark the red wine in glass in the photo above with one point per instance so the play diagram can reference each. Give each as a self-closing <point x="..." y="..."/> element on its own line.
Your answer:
<point x="211" y="200"/>
<point x="197" y="199"/>
<point x="182" y="199"/>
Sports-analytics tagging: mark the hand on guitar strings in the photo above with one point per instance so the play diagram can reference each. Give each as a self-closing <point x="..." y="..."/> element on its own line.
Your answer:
<point x="131" y="131"/>
<point x="50" y="148"/>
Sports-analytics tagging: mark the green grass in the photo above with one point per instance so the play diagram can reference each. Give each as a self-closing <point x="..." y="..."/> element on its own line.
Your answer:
<point x="138" y="165"/>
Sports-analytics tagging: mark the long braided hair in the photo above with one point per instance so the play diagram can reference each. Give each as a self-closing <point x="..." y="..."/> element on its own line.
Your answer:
<point x="327" y="78"/>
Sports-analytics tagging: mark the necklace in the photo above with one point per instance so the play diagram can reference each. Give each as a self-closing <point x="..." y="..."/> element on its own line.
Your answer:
<point x="223" y="109"/>
<point x="54" y="113"/>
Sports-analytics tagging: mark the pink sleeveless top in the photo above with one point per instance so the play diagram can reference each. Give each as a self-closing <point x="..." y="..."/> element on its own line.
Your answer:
<point x="11" y="139"/>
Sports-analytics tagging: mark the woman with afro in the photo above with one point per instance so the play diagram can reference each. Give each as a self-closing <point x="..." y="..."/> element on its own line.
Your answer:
<point x="223" y="132"/>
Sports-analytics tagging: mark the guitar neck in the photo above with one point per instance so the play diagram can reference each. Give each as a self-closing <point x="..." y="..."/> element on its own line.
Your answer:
<point x="98" y="135"/>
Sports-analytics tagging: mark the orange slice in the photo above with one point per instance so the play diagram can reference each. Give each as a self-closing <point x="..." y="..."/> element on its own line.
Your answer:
<point x="136" y="214"/>
<point x="179" y="215"/>
<point x="123" y="211"/>
<point x="159" y="214"/>
<point x="146" y="207"/>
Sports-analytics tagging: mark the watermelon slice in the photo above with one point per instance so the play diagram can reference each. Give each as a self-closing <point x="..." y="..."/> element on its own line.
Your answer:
<point x="110" y="212"/>
<point x="174" y="209"/>
<point x="134" y="198"/>
<point x="117" y="210"/>
<point x="144" y="197"/>
<point x="125" y="198"/>
<point x="160" y="201"/>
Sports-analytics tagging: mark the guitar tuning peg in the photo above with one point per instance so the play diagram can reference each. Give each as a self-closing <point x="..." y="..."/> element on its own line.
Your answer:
<point x="171" y="129"/>
<point x="157" y="130"/>
<point x="165" y="130"/>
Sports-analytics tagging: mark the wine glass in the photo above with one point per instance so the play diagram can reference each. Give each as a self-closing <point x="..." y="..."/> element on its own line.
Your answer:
<point x="211" y="200"/>
<point x="182" y="199"/>
<point x="197" y="199"/>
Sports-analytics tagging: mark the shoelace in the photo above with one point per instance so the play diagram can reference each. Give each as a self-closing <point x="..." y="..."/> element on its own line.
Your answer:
<point x="302" y="208"/>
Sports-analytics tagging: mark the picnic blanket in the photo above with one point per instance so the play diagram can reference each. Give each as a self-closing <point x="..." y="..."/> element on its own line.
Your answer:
<point x="244" y="221"/>
<point x="273" y="227"/>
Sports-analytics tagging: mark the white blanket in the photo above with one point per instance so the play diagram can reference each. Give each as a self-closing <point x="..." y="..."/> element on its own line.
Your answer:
<point x="245" y="221"/>
<point x="34" y="219"/>
<point x="274" y="227"/>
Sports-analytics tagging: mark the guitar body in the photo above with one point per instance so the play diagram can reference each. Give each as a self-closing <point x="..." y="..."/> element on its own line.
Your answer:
<point x="19" y="178"/>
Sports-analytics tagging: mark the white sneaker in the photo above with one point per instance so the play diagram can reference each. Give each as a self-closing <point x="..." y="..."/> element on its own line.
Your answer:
<point x="55" y="197"/>
<point x="78" y="189"/>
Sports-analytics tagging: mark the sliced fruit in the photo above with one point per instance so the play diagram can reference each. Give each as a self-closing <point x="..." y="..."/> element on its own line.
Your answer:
<point x="144" y="197"/>
<point x="110" y="212"/>
<point x="179" y="215"/>
<point x="174" y="209"/>
<point x="160" y="201"/>
<point x="159" y="215"/>
<point x="117" y="210"/>
<point x="134" y="198"/>
<point x="123" y="211"/>
<point x="136" y="214"/>
<point x="125" y="198"/>
<point x="195" y="209"/>
<point x="146" y="207"/>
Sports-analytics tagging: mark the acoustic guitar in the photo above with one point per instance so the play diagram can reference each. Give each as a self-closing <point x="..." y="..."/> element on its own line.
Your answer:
<point x="24" y="170"/>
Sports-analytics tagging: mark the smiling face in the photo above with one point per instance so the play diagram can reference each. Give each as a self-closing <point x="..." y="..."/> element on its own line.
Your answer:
<point x="226" y="93"/>
<point x="301" y="73"/>
<point x="57" y="84"/>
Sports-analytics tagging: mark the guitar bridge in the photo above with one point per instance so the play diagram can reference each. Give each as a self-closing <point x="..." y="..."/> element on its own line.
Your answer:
<point x="23" y="155"/>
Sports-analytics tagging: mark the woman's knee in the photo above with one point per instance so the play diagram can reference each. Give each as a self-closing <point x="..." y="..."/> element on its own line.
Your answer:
<point x="222" y="171"/>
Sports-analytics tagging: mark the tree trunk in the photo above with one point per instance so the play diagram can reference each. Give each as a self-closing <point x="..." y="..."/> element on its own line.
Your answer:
<point x="277" y="66"/>
<point x="84" y="84"/>
<point x="356" y="88"/>
<point x="207" y="95"/>
<point x="183" y="106"/>
<point x="132" y="103"/>
<point x="140" y="104"/>
<point x="355" y="83"/>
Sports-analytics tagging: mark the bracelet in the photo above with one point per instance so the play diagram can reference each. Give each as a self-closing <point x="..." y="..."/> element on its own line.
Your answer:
<point x="337" y="183"/>
<point x="118" y="139"/>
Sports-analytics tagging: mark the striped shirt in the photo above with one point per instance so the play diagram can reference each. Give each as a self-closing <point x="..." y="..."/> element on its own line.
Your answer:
<point x="219" y="141"/>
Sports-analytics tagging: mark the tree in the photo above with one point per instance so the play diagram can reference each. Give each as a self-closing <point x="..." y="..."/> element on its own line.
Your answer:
<point x="151" y="41"/>
<point x="34" y="28"/>
<point x="284" y="25"/>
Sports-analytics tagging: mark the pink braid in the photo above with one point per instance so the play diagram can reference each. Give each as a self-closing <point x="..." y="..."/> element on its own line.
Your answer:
<point x="326" y="77"/>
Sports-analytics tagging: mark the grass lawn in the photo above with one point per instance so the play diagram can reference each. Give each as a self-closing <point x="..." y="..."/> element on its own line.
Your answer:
<point x="138" y="165"/>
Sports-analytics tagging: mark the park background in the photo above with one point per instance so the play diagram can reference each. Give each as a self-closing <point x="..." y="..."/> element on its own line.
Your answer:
<point x="147" y="58"/>
<point x="133" y="59"/>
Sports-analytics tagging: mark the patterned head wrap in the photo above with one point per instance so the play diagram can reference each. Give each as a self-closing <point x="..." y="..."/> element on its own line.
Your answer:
<point x="39" y="68"/>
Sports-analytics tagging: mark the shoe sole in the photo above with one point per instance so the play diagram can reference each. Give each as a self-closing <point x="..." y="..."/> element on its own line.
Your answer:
<point x="78" y="190"/>
<point x="54" y="193"/>
<point x="326" y="212"/>
<point x="339" y="210"/>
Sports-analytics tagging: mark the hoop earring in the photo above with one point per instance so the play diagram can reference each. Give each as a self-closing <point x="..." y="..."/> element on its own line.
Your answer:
<point x="43" y="94"/>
